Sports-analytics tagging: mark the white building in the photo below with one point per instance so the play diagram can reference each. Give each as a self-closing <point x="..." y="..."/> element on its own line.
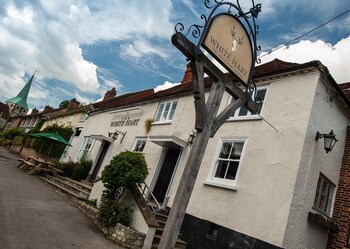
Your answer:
<point x="257" y="187"/>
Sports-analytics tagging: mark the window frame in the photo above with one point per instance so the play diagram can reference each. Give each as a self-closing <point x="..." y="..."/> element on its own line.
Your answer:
<point x="162" y="109"/>
<point x="83" y="148"/>
<point x="330" y="195"/>
<point x="249" y="114"/>
<point x="221" y="182"/>
<point x="139" y="139"/>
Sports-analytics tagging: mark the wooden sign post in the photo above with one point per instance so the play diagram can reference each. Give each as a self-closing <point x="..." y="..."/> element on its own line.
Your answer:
<point x="208" y="121"/>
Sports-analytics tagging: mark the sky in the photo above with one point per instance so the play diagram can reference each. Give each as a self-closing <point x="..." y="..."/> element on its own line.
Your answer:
<point x="80" y="49"/>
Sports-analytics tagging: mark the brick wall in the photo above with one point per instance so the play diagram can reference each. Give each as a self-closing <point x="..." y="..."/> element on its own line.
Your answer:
<point x="341" y="211"/>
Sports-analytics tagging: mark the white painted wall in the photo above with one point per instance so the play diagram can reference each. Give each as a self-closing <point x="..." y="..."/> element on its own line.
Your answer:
<point x="269" y="170"/>
<point x="324" y="116"/>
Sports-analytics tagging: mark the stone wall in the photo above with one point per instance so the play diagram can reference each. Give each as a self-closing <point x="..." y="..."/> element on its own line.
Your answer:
<point x="120" y="234"/>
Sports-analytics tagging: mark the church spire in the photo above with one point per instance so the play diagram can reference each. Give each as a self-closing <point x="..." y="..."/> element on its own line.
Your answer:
<point x="20" y="101"/>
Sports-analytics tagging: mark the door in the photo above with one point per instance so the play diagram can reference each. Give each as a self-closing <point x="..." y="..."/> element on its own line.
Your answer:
<point x="105" y="147"/>
<point x="166" y="172"/>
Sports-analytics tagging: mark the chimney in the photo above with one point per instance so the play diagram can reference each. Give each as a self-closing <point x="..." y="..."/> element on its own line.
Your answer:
<point x="73" y="104"/>
<point x="47" y="109"/>
<point x="34" y="111"/>
<point x="188" y="75"/>
<point x="110" y="94"/>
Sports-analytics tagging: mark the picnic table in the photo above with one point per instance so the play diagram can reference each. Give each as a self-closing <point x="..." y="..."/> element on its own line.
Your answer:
<point x="36" y="164"/>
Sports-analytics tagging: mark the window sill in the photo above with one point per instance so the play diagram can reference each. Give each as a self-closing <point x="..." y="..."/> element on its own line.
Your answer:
<point x="162" y="123"/>
<point x="220" y="185"/>
<point x="244" y="118"/>
<point x="323" y="221"/>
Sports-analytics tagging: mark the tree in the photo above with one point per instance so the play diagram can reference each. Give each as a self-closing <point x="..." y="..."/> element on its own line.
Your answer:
<point x="64" y="104"/>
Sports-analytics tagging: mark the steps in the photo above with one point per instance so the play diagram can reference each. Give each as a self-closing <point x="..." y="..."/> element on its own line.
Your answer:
<point x="79" y="190"/>
<point x="161" y="217"/>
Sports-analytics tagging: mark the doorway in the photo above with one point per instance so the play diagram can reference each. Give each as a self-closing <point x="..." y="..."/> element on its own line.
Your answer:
<point x="166" y="172"/>
<point x="105" y="146"/>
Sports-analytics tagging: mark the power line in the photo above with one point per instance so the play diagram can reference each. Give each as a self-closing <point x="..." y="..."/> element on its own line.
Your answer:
<point x="305" y="34"/>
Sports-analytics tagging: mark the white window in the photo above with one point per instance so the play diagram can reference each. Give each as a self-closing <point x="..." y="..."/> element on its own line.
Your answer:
<point x="324" y="195"/>
<point x="165" y="111"/>
<point x="85" y="148"/>
<point x="83" y="117"/>
<point x="139" y="144"/>
<point x="242" y="112"/>
<point x="226" y="165"/>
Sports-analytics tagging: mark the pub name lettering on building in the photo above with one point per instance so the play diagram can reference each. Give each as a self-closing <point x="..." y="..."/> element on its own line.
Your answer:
<point x="125" y="122"/>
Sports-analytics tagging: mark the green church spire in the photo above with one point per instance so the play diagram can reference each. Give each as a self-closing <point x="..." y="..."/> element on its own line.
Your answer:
<point x="21" y="98"/>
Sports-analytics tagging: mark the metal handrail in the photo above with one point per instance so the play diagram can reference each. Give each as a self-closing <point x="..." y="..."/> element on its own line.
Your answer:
<point x="146" y="194"/>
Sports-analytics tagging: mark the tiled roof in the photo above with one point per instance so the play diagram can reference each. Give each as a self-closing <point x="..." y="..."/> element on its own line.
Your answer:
<point x="345" y="87"/>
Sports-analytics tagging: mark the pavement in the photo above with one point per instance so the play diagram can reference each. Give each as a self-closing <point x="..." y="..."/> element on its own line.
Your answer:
<point x="35" y="216"/>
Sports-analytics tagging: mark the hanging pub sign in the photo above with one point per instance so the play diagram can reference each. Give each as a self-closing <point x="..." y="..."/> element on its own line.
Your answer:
<point x="227" y="40"/>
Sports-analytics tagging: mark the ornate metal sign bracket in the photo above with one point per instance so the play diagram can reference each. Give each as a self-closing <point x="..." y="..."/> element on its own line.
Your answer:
<point x="219" y="7"/>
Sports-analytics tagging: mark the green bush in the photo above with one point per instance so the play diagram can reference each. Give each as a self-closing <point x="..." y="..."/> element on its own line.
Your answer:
<point x="82" y="170"/>
<point x="123" y="172"/>
<point x="113" y="212"/>
<point x="67" y="167"/>
<point x="17" y="141"/>
<point x="11" y="133"/>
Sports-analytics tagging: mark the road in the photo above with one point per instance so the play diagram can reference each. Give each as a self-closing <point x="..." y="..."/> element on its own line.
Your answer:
<point x="35" y="216"/>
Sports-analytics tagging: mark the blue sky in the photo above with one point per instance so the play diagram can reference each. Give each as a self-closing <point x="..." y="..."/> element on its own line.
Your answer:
<point x="81" y="49"/>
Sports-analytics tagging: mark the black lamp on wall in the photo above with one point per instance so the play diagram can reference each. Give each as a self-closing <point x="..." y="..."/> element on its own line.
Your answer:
<point x="329" y="140"/>
<point x="191" y="138"/>
<point x="114" y="135"/>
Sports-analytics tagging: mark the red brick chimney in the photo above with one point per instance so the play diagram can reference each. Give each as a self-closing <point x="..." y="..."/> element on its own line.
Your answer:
<point x="34" y="111"/>
<point x="73" y="104"/>
<point x="110" y="94"/>
<point x="47" y="109"/>
<point x="188" y="75"/>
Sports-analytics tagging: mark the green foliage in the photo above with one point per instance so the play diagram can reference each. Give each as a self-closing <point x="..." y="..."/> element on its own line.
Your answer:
<point x="50" y="147"/>
<point x="12" y="136"/>
<point x="11" y="133"/>
<point x="64" y="104"/>
<point x="82" y="170"/>
<point x="67" y="167"/>
<point x="17" y="141"/>
<point x="75" y="170"/>
<point x="113" y="212"/>
<point x="124" y="170"/>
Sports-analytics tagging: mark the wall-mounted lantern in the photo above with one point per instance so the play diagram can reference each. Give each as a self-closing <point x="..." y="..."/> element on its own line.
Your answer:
<point x="114" y="135"/>
<point x="329" y="140"/>
<point x="191" y="138"/>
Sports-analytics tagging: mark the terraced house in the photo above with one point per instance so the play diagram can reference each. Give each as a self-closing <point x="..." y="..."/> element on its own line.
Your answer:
<point x="260" y="185"/>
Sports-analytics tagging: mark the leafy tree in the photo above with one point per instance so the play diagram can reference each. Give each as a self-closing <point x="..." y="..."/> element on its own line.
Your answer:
<point x="64" y="104"/>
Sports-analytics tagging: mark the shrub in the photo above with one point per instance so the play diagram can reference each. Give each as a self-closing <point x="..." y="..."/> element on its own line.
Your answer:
<point x="17" y="141"/>
<point x="67" y="167"/>
<point x="11" y="133"/>
<point x="81" y="171"/>
<point x="124" y="171"/>
<point x="113" y="212"/>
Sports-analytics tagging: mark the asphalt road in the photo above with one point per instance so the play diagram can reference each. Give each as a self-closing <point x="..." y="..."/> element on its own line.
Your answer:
<point x="35" y="216"/>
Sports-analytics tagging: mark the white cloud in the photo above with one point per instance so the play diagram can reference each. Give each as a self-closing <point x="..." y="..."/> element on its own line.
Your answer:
<point x="165" y="86"/>
<point x="334" y="57"/>
<point x="141" y="48"/>
<point x="47" y="36"/>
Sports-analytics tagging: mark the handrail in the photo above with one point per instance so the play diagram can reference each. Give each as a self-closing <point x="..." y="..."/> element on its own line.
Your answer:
<point x="146" y="194"/>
